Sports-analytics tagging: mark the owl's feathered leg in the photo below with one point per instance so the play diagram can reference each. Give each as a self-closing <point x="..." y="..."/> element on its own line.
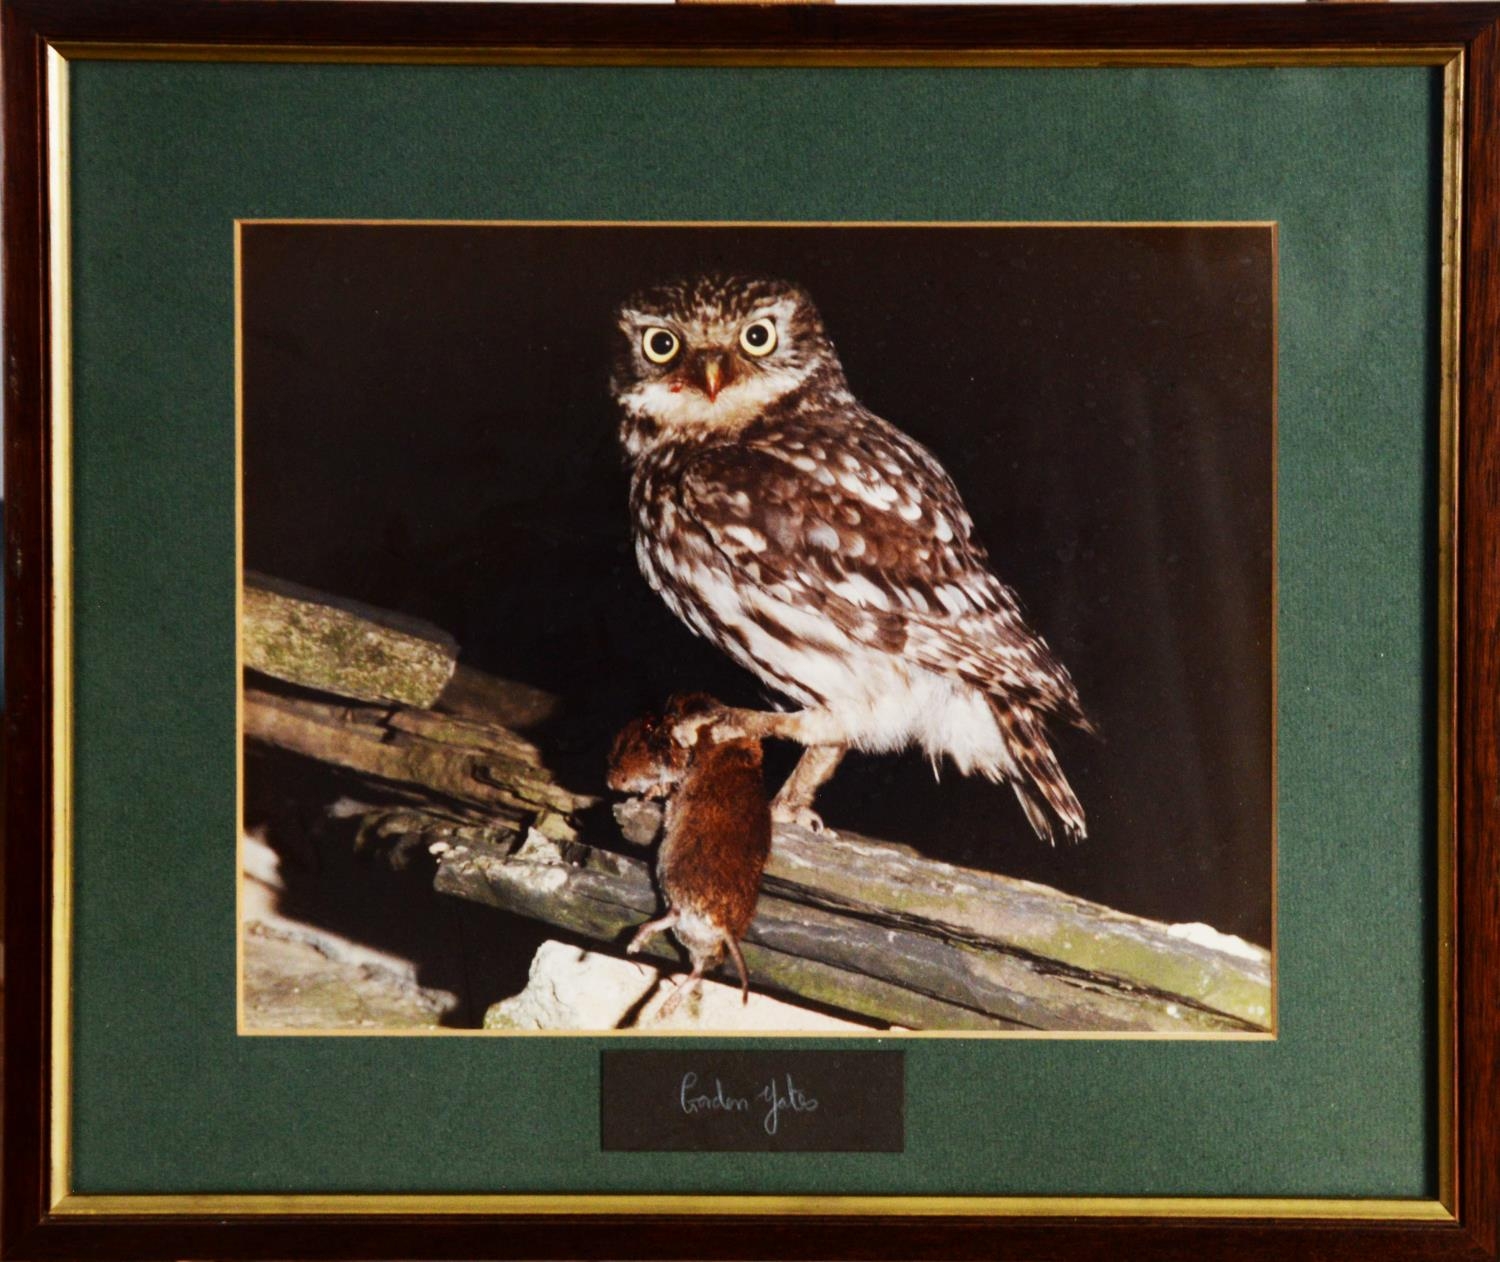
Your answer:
<point x="793" y="804"/>
<point x="728" y="723"/>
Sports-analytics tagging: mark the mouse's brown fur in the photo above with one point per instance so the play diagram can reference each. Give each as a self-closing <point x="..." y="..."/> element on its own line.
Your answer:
<point x="716" y="834"/>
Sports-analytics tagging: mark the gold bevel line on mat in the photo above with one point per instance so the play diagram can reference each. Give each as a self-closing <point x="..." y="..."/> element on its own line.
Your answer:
<point x="244" y="1029"/>
<point x="1340" y="1209"/>
<point x="1274" y="788"/>
<point x="60" y="1080"/>
<point x="858" y="1035"/>
<point x="239" y="635"/>
<point x="788" y="224"/>
<point x="769" y="57"/>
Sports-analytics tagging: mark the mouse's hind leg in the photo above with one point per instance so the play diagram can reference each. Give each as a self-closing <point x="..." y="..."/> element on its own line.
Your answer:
<point x="687" y="986"/>
<point x="649" y="930"/>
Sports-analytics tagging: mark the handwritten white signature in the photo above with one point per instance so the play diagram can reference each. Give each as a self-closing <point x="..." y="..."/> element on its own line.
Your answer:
<point x="776" y="1096"/>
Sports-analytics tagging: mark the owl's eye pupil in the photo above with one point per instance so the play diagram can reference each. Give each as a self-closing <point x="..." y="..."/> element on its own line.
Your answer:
<point x="758" y="339"/>
<point x="660" y="345"/>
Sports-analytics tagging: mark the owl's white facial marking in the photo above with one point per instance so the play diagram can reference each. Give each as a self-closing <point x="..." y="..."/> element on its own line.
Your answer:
<point x="677" y="405"/>
<point x="708" y="358"/>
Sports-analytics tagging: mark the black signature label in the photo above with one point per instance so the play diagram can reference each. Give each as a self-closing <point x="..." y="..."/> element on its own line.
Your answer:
<point x="704" y="1100"/>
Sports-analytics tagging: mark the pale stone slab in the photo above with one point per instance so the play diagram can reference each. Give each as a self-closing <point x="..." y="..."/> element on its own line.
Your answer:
<point x="573" y="989"/>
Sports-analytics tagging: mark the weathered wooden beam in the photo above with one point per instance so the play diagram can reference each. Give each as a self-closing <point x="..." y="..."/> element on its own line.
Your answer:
<point x="340" y="646"/>
<point x="882" y="963"/>
<point x="476" y="695"/>
<point x="481" y="767"/>
<point x="604" y="897"/>
<point x="1062" y="933"/>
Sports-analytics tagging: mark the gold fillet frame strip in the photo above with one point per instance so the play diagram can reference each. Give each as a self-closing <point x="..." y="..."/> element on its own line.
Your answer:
<point x="209" y="1204"/>
<point x="791" y="225"/>
<point x="67" y="1204"/>
<point x="522" y="55"/>
<point x="60" y="349"/>
<point x="1450" y="297"/>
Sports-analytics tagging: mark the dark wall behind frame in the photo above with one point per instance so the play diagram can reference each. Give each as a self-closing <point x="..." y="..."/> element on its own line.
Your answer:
<point x="427" y="427"/>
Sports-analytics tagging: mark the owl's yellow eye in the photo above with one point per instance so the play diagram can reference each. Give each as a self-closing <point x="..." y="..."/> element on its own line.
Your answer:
<point x="660" y="345"/>
<point x="758" y="338"/>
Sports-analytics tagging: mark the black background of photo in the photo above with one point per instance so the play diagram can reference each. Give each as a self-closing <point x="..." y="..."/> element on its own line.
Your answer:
<point x="428" y="428"/>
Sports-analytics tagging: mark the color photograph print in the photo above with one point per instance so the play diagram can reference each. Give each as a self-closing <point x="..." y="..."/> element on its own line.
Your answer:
<point x="799" y="629"/>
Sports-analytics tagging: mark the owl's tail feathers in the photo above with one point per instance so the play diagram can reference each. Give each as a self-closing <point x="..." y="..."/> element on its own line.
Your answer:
<point x="1056" y="692"/>
<point x="1084" y="723"/>
<point x="1038" y="782"/>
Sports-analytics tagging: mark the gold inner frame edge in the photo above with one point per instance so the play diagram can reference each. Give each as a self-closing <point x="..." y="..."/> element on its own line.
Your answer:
<point x="968" y="58"/>
<point x="1443" y="1209"/>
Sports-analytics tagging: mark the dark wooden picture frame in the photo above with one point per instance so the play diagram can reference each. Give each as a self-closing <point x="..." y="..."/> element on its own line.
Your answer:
<point x="1464" y="1222"/>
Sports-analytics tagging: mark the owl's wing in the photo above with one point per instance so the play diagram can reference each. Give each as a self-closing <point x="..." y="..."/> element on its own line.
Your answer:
<point x="869" y="532"/>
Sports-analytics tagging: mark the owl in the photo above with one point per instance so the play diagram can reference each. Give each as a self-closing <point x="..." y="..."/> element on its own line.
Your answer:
<point x="825" y="551"/>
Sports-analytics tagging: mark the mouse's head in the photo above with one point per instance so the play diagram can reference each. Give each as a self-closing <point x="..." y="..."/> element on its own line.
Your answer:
<point x="651" y="753"/>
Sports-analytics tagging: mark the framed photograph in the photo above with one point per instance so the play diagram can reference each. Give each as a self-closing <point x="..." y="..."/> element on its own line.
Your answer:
<point x="749" y="632"/>
<point x="1070" y="478"/>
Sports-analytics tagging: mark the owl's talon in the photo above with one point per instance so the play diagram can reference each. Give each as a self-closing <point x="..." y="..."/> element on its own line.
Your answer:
<point x="685" y="732"/>
<point x="717" y="726"/>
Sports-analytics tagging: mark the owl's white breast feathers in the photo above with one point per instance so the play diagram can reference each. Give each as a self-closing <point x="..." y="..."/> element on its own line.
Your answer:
<point x="877" y="701"/>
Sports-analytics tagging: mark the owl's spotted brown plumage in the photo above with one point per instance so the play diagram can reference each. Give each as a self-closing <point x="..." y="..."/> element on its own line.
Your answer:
<point x="824" y="550"/>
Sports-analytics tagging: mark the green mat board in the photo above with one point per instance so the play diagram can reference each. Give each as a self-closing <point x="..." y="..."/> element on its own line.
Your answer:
<point x="165" y="156"/>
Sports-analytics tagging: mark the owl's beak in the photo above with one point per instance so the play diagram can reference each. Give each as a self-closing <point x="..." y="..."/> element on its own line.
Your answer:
<point x="715" y="373"/>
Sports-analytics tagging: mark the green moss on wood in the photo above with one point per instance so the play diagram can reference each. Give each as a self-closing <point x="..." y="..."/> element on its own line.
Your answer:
<point x="335" y="650"/>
